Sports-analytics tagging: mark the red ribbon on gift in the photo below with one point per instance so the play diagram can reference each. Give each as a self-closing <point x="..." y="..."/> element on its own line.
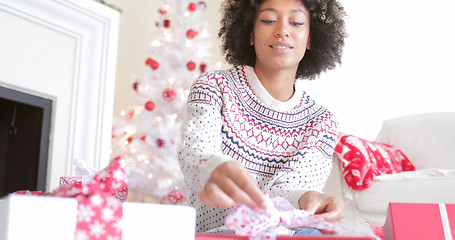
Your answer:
<point x="99" y="213"/>
<point x="30" y="193"/>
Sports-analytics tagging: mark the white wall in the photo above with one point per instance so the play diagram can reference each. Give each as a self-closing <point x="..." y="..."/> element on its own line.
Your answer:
<point x="398" y="59"/>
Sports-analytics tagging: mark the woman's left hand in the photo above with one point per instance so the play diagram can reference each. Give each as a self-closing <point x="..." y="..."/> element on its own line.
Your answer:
<point x="327" y="207"/>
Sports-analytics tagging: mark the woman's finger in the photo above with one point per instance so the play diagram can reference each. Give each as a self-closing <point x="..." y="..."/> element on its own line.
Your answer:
<point x="246" y="190"/>
<point x="333" y="210"/>
<point x="323" y="206"/>
<point x="234" y="185"/>
<point x="229" y="186"/>
<point x="252" y="196"/>
<point x="213" y="196"/>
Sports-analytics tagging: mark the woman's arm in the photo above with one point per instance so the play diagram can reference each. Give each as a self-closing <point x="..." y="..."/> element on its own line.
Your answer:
<point x="219" y="180"/>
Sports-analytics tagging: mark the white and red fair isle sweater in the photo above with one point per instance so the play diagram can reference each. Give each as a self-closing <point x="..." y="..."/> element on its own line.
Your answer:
<point x="285" y="146"/>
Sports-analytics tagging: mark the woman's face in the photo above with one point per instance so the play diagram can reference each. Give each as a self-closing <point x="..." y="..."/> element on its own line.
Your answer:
<point x="281" y="34"/>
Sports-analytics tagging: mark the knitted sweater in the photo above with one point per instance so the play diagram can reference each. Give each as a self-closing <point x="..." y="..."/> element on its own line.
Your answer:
<point x="285" y="146"/>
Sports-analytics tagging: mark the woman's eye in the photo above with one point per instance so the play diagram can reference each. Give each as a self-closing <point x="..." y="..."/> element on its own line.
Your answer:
<point x="267" y="21"/>
<point x="297" y="23"/>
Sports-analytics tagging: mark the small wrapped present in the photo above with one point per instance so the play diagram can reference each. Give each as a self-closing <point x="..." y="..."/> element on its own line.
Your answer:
<point x="89" y="211"/>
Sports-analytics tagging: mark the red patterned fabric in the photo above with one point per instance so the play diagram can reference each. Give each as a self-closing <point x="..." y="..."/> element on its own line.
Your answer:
<point x="99" y="212"/>
<point x="362" y="160"/>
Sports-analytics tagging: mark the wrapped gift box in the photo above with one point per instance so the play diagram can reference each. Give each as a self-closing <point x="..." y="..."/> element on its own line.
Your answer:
<point x="44" y="217"/>
<point x="322" y="237"/>
<point x="420" y="221"/>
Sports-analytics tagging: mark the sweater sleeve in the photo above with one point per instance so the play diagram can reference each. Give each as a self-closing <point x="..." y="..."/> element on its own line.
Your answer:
<point x="314" y="164"/>
<point x="200" y="151"/>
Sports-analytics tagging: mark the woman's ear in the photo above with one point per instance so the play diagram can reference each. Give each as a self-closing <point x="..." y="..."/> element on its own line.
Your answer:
<point x="251" y="39"/>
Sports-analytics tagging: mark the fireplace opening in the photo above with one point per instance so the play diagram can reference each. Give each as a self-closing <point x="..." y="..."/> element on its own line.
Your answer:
<point x="25" y="123"/>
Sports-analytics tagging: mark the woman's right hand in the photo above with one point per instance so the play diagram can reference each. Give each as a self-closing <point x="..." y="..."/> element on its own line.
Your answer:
<point x="231" y="184"/>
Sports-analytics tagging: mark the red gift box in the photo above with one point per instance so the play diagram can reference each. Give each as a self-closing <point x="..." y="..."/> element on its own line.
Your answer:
<point x="420" y="221"/>
<point x="301" y="237"/>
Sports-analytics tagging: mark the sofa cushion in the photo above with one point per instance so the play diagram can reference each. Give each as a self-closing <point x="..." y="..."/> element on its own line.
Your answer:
<point x="428" y="139"/>
<point x="420" y="186"/>
<point x="362" y="160"/>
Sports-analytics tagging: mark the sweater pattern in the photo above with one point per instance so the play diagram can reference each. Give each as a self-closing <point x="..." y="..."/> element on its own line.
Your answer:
<point x="266" y="141"/>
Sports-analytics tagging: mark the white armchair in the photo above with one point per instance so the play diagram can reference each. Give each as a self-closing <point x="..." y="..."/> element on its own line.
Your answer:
<point x="428" y="140"/>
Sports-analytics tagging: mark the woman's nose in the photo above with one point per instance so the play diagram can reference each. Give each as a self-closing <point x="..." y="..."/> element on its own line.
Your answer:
<point x="281" y="31"/>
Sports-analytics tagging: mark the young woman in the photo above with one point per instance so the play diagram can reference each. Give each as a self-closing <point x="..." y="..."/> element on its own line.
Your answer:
<point x="252" y="129"/>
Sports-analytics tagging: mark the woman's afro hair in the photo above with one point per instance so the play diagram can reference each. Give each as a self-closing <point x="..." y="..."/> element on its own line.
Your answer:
<point x="327" y="34"/>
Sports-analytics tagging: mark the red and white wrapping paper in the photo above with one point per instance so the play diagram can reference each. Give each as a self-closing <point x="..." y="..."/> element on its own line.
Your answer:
<point x="85" y="174"/>
<point x="31" y="193"/>
<point x="99" y="214"/>
<point x="121" y="193"/>
<point x="244" y="221"/>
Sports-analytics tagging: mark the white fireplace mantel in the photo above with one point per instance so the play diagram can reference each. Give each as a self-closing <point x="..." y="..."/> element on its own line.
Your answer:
<point x="66" y="51"/>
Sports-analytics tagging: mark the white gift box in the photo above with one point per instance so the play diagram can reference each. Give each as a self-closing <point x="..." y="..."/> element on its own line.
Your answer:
<point x="43" y="217"/>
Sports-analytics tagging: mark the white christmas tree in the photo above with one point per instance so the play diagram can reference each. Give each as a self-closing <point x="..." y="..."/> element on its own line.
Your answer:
<point x="148" y="134"/>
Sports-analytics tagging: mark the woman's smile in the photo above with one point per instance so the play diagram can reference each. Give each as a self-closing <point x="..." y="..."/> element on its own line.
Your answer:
<point x="281" y="47"/>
